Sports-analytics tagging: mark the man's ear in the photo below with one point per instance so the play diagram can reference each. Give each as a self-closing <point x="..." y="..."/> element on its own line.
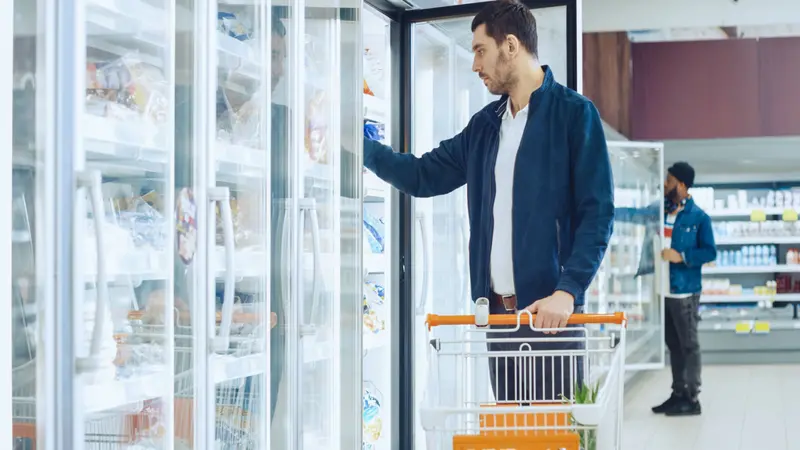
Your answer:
<point x="513" y="45"/>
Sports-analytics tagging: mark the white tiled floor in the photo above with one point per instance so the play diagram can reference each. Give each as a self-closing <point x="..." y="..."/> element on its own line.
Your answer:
<point x="744" y="408"/>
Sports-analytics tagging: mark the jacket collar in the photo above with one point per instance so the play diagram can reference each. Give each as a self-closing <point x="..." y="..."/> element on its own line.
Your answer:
<point x="497" y="109"/>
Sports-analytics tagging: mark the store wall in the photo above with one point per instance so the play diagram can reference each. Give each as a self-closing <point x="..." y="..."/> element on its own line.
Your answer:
<point x="607" y="77"/>
<point x="716" y="89"/>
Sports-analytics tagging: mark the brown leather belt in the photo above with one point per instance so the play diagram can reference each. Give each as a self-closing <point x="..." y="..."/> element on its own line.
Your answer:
<point x="508" y="302"/>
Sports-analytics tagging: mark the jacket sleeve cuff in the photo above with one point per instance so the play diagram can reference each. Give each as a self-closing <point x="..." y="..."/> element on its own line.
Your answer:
<point x="569" y="287"/>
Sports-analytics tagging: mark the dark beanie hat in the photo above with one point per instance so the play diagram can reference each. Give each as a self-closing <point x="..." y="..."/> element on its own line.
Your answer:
<point x="683" y="172"/>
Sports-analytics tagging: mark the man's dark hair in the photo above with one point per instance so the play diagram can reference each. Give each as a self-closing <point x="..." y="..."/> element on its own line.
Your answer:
<point x="278" y="28"/>
<point x="504" y="17"/>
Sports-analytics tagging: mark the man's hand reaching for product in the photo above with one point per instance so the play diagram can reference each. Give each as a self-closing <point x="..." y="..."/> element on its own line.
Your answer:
<point x="553" y="311"/>
<point x="671" y="255"/>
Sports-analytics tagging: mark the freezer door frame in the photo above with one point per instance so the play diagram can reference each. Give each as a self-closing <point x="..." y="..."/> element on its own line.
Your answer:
<point x="404" y="422"/>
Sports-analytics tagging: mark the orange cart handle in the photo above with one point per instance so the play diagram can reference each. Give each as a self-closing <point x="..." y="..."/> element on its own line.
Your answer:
<point x="435" y="320"/>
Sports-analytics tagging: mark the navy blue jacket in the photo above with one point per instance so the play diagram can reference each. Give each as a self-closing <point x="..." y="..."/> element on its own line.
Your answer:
<point x="563" y="206"/>
<point x="692" y="237"/>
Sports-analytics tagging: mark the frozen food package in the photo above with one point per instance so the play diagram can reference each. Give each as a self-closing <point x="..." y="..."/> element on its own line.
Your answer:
<point x="367" y="89"/>
<point x="127" y="88"/>
<point x="374" y="75"/>
<point x="374" y="131"/>
<point x="317" y="127"/>
<point x="374" y="232"/>
<point x="234" y="25"/>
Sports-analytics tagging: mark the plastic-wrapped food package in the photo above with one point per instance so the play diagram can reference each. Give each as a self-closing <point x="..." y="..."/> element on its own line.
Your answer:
<point x="374" y="131"/>
<point x="379" y="291"/>
<point x="372" y="425"/>
<point x="317" y="128"/>
<point x="147" y="226"/>
<point x="374" y="229"/>
<point x="127" y="89"/>
<point x="374" y="75"/>
<point x="235" y="25"/>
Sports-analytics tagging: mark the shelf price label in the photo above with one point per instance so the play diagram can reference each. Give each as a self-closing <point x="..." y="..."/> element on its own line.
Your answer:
<point x="758" y="215"/>
<point x="743" y="327"/>
<point x="790" y="215"/>
<point x="761" y="327"/>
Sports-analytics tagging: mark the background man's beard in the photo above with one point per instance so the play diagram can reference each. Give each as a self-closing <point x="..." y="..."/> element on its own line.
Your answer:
<point x="672" y="194"/>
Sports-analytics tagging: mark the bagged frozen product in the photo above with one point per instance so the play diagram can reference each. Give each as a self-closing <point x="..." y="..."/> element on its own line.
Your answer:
<point x="367" y="90"/>
<point x="374" y="232"/>
<point x="234" y="25"/>
<point x="374" y="130"/>
<point x="373" y="72"/>
<point x="317" y="128"/>
<point x="126" y="88"/>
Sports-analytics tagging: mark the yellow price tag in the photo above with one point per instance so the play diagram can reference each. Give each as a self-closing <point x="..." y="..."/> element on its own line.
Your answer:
<point x="743" y="327"/>
<point x="761" y="327"/>
<point x="758" y="215"/>
<point x="790" y="215"/>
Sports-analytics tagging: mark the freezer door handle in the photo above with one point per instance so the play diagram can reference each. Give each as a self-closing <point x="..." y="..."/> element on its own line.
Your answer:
<point x="308" y="208"/>
<point x="91" y="182"/>
<point x="420" y="217"/>
<point x="222" y="195"/>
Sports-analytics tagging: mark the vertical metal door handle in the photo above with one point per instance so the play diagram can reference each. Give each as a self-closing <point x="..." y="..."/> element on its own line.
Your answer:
<point x="92" y="182"/>
<point x="222" y="195"/>
<point x="420" y="217"/>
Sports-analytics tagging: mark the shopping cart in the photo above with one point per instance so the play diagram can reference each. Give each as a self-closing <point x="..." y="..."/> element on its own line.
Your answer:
<point x="140" y="426"/>
<point x="584" y="412"/>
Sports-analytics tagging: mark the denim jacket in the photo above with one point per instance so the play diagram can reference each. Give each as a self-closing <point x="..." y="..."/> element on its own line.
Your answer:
<point x="692" y="237"/>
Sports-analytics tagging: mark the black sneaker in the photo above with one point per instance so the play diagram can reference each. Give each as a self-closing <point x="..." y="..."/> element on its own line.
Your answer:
<point x="684" y="407"/>
<point x="667" y="405"/>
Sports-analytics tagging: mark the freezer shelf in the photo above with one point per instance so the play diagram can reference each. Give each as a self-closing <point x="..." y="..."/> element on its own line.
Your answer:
<point x="226" y="368"/>
<point x="106" y="396"/>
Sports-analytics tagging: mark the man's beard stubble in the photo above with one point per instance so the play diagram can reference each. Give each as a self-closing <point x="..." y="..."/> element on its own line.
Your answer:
<point x="506" y="83"/>
<point x="672" y="194"/>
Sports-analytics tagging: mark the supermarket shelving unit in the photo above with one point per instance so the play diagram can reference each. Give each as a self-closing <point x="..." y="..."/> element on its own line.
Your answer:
<point x="744" y="319"/>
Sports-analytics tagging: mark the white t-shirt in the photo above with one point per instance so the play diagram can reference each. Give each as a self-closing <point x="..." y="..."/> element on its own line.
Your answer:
<point x="501" y="260"/>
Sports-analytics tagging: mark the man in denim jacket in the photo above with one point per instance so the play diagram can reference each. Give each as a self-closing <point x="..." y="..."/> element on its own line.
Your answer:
<point x="689" y="244"/>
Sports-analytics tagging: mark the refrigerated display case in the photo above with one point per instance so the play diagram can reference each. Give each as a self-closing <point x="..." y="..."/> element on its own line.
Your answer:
<point x="379" y="247"/>
<point x="187" y="225"/>
<point x="631" y="276"/>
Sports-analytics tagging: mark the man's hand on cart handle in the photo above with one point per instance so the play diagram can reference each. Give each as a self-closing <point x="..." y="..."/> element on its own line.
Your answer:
<point x="553" y="312"/>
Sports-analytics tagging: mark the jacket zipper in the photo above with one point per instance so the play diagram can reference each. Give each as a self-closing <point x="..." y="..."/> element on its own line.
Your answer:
<point x="558" y="244"/>
<point x="492" y="193"/>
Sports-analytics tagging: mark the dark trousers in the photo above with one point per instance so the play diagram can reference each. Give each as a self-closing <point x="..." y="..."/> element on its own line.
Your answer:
<point x="520" y="379"/>
<point x="680" y="319"/>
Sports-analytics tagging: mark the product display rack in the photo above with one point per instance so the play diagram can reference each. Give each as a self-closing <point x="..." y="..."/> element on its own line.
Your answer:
<point x="379" y="242"/>
<point x="751" y="299"/>
<point x="629" y="279"/>
<point x="196" y="271"/>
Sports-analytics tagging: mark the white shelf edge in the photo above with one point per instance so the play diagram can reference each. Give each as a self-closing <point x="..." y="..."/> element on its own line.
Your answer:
<point x="226" y="368"/>
<point x="745" y="212"/>
<point x="781" y="268"/>
<point x="105" y="396"/>
<point x="749" y="298"/>
<point x="751" y="240"/>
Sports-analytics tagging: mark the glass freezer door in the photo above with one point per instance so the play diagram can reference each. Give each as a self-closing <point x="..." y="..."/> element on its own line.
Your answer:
<point x="115" y="136"/>
<point x="446" y="93"/>
<point x="317" y="222"/>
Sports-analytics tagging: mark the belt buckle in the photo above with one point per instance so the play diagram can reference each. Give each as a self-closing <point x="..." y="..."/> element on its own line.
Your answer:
<point x="509" y="302"/>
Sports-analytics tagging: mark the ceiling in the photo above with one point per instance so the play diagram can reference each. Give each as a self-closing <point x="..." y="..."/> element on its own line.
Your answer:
<point x="738" y="160"/>
<point x="711" y="33"/>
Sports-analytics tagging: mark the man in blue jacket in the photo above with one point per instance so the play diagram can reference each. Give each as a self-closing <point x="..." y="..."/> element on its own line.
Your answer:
<point x="689" y="245"/>
<point x="540" y="195"/>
